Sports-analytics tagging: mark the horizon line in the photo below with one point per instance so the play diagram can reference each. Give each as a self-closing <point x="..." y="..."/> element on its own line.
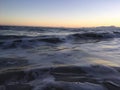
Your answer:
<point x="59" y="26"/>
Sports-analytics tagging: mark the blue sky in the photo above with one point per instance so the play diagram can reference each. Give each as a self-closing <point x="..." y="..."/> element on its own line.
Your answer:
<point x="68" y="13"/>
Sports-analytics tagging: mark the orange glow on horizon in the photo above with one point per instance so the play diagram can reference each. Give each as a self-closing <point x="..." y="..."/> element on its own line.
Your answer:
<point x="62" y="13"/>
<point x="75" y="23"/>
<point x="64" y="24"/>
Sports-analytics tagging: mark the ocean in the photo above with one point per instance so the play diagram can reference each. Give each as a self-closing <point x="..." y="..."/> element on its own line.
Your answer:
<point x="46" y="58"/>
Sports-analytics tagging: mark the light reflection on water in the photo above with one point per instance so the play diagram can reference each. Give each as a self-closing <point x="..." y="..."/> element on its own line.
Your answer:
<point x="104" y="53"/>
<point x="106" y="50"/>
<point x="32" y="33"/>
<point x="103" y="62"/>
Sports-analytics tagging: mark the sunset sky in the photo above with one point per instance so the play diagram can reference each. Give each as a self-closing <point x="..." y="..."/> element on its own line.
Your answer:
<point x="60" y="13"/>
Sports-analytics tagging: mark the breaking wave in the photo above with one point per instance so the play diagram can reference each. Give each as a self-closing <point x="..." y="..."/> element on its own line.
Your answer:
<point x="62" y="78"/>
<point x="43" y="58"/>
<point x="14" y="41"/>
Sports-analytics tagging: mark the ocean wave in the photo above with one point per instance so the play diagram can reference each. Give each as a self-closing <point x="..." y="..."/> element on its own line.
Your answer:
<point x="13" y="41"/>
<point x="59" y="59"/>
<point x="29" y="37"/>
<point x="91" y="36"/>
<point x="8" y="37"/>
<point x="63" y="78"/>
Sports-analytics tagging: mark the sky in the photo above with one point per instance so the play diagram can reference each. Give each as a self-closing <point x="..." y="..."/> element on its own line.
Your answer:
<point x="60" y="13"/>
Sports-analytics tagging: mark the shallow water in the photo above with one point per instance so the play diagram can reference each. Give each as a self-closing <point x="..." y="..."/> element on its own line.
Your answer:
<point x="33" y="58"/>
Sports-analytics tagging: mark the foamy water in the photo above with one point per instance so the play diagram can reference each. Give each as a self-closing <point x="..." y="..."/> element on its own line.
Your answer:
<point x="33" y="58"/>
